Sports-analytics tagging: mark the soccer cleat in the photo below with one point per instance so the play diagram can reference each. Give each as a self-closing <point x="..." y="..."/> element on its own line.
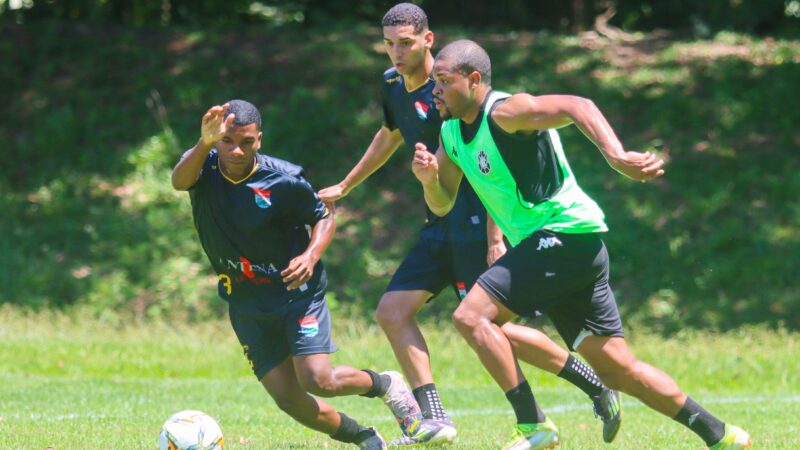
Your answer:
<point x="372" y="442"/>
<point x="734" y="439"/>
<point x="534" y="436"/>
<point x="402" y="403"/>
<point x="429" y="432"/>
<point x="608" y="407"/>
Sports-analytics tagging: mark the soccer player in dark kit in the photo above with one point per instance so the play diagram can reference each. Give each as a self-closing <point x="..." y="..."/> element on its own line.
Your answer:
<point x="251" y="212"/>
<point x="451" y="250"/>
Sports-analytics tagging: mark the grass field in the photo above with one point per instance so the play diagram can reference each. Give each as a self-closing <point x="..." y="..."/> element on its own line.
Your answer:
<point x="81" y="384"/>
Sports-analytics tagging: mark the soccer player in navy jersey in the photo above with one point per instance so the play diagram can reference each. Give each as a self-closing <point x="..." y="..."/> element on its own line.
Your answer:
<point x="251" y="212"/>
<point x="451" y="250"/>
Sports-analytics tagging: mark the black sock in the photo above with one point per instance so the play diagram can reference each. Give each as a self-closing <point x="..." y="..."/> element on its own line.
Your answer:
<point x="697" y="419"/>
<point x="429" y="402"/>
<point x="525" y="407"/>
<point x="380" y="384"/>
<point x="582" y="376"/>
<point x="350" y="431"/>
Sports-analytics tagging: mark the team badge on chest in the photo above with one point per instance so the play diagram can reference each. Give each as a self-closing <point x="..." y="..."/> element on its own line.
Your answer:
<point x="422" y="109"/>
<point x="263" y="197"/>
<point x="483" y="162"/>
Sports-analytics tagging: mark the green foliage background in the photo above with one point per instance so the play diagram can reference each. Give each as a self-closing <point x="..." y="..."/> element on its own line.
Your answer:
<point x="93" y="117"/>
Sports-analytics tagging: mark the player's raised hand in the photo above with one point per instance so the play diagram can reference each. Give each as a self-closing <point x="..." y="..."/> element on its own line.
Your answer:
<point x="639" y="166"/>
<point x="425" y="165"/>
<point x="332" y="193"/>
<point x="214" y="124"/>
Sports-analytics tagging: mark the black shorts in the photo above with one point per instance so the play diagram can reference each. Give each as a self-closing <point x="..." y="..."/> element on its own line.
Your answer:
<point x="431" y="265"/>
<point x="563" y="275"/>
<point x="302" y="327"/>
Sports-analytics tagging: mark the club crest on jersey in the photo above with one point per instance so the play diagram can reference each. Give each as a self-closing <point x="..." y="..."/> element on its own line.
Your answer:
<point x="483" y="162"/>
<point x="262" y="197"/>
<point x="422" y="109"/>
<point x="309" y="326"/>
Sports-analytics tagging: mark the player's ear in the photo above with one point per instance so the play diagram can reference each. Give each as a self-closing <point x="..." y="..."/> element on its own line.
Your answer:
<point x="474" y="79"/>
<point x="429" y="38"/>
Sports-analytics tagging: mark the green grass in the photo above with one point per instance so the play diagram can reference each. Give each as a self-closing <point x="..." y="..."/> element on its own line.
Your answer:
<point x="70" y="383"/>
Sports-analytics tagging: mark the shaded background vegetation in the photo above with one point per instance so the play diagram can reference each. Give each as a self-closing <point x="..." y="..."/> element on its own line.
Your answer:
<point x="98" y="100"/>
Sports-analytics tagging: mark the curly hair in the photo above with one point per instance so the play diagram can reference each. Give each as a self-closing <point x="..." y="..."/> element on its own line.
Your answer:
<point x="246" y="113"/>
<point x="406" y="14"/>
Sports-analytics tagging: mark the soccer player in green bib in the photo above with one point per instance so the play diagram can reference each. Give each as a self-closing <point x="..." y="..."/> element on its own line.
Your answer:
<point x="508" y="148"/>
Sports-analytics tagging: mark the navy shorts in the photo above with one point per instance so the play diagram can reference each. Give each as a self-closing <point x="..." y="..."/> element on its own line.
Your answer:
<point x="431" y="265"/>
<point x="302" y="327"/>
<point x="563" y="275"/>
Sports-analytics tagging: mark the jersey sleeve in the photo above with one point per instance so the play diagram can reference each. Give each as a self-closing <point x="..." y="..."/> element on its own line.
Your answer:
<point x="208" y="165"/>
<point x="388" y="118"/>
<point x="305" y="207"/>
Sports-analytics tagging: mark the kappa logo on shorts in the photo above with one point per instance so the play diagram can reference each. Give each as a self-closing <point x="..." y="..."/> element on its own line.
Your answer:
<point x="263" y="197"/>
<point x="483" y="162"/>
<point x="309" y="326"/>
<point x="548" y="242"/>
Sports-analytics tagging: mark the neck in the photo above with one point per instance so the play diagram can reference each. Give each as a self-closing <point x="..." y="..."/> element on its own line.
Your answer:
<point x="239" y="175"/>
<point x="420" y="76"/>
<point x="478" y="97"/>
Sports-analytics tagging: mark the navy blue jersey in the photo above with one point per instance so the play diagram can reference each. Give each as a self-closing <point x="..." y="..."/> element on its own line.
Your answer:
<point x="250" y="230"/>
<point x="418" y="120"/>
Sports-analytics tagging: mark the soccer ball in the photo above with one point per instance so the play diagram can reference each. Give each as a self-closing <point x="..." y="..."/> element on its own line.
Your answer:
<point x="190" y="430"/>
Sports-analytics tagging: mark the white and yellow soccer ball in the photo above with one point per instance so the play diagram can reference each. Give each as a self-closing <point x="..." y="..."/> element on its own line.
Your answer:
<point x="190" y="430"/>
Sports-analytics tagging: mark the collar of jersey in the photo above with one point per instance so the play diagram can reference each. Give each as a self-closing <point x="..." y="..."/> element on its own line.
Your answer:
<point x="255" y="167"/>
<point x="418" y="87"/>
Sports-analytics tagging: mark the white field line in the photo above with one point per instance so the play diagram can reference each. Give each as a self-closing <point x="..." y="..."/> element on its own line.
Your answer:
<point x="630" y="403"/>
<point x="559" y="408"/>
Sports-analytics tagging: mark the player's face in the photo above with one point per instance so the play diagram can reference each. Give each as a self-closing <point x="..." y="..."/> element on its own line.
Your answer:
<point x="238" y="148"/>
<point x="452" y="93"/>
<point x="406" y="48"/>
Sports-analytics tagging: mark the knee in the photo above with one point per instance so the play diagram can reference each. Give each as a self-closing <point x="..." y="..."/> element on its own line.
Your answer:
<point x="287" y="403"/>
<point x="465" y="320"/>
<point x="391" y="314"/>
<point x="320" y="383"/>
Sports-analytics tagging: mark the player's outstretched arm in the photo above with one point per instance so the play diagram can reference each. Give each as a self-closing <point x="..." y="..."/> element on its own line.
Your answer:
<point x="524" y="112"/>
<point x="212" y="129"/>
<point x="382" y="147"/>
<point x="439" y="177"/>
<point x="301" y="267"/>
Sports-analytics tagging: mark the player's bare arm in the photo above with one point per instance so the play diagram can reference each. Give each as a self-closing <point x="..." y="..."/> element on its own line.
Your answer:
<point x="301" y="267"/>
<point x="439" y="177"/>
<point x="525" y="112"/>
<point x="497" y="247"/>
<point x="383" y="145"/>
<point x="212" y="128"/>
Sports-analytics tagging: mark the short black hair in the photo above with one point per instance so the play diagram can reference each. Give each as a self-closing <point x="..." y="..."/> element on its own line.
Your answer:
<point x="245" y="113"/>
<point x="466" y="57"/>
<point x="406" y="14"/>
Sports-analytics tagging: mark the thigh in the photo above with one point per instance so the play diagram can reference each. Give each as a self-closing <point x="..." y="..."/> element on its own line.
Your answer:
<point x="423" y="269"/>
<point x="307" y="327"/>
<point x="262" y="339"/>
<point x="467" y="263"/>
<point x="590" y="310"/>
<point x="281" y="381"/>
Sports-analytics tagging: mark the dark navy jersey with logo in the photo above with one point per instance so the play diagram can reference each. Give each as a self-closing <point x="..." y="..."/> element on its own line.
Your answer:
<point x="418" y="120"/>
<point x="251" y="229"/>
